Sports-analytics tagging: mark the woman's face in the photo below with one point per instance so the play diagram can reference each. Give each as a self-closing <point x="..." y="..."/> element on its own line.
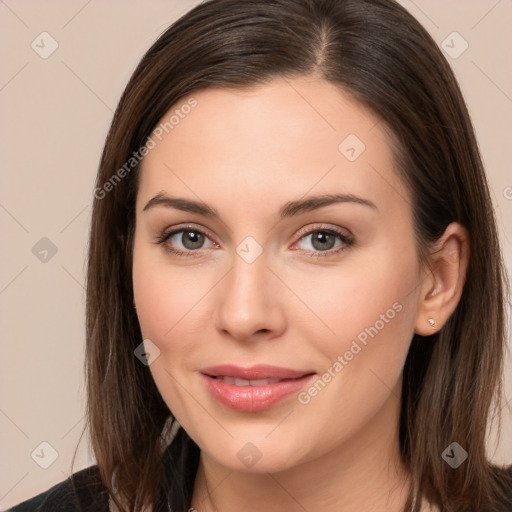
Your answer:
<point x="284" y="318"/>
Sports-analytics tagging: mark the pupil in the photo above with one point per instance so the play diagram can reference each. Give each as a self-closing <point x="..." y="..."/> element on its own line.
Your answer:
<point x="323" y="240"/>
<point x="192" y="240"/>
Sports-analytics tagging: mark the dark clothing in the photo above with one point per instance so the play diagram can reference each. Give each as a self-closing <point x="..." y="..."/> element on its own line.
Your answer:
<point x="85" y="492"/>
<point x="82" y="492"/>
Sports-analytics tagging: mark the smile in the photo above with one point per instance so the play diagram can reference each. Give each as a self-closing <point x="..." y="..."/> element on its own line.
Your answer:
<point x="253" y="389"/>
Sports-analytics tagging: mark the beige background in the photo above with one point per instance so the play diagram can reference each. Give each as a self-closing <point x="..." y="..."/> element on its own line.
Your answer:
<point x="55" y="115"/>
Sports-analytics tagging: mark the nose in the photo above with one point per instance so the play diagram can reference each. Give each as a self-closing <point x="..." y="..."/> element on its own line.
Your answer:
<point x="250" y="302"/>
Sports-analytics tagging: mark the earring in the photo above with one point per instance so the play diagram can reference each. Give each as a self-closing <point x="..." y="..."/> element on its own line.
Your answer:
<point x="432" y="323"/>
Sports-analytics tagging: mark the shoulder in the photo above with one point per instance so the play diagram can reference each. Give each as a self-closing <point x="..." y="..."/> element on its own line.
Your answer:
<point x="82" y="491"/>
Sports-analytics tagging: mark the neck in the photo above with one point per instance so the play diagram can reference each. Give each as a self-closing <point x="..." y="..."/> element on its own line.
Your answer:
<point x="363" y="473"/>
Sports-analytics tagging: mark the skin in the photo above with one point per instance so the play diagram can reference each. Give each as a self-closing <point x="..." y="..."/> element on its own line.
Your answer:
<point x="247" y="153"/>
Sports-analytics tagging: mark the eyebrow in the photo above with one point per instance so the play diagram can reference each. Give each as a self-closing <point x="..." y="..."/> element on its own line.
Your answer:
<point x="289" y="209"/>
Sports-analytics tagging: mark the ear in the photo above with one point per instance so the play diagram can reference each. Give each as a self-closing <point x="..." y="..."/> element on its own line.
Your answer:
<point x="444" y="280"/>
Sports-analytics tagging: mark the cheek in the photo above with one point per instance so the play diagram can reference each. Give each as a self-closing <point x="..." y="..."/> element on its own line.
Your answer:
<point x="167" y="296"/>
<point x="365" y="325"/>
<point x="370" y="296"/>
<point x="168" y="302"/>
<point x="372" y="316"/>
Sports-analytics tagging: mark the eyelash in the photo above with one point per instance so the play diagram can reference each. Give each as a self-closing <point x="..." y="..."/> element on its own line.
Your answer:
<point x="347" y="241"/>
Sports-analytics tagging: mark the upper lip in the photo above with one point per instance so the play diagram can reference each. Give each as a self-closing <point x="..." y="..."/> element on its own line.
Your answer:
<point x="260" y="371"/>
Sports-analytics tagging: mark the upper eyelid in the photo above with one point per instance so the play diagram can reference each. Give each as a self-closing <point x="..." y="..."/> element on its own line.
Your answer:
<point x="323" y="227"/>
<point x="191" y="227"/>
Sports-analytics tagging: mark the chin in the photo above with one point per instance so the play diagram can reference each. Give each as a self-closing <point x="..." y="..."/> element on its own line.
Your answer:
<point x="255" y="454"/>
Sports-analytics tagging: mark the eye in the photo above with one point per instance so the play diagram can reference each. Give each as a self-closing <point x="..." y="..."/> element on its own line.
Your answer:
<point x="190" y="241"/>
<point x="185" y="241"/>
<point x="324" y="242"/>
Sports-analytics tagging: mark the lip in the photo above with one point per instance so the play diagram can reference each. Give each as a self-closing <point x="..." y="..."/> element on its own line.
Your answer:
<point x="256" y="397"/>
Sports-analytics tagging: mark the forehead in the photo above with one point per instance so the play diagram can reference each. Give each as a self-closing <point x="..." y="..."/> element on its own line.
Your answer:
<point x="282" y="139"/>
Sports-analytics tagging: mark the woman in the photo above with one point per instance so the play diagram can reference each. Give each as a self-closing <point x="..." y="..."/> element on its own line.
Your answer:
<point x="292" y="198"/>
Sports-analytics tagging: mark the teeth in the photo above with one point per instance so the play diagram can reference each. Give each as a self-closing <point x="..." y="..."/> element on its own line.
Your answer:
<point x="245" y="382"/>
<point x="262" y="382"/>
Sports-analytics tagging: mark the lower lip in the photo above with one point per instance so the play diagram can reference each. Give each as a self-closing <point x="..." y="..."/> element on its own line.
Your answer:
<point x="254" y="398"/>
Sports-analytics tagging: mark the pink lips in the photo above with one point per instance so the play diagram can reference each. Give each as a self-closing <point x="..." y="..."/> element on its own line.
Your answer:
<point x="253" y="389"/>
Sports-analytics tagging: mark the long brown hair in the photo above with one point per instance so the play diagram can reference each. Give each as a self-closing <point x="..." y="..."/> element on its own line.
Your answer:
<point x="375" y="50"/>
